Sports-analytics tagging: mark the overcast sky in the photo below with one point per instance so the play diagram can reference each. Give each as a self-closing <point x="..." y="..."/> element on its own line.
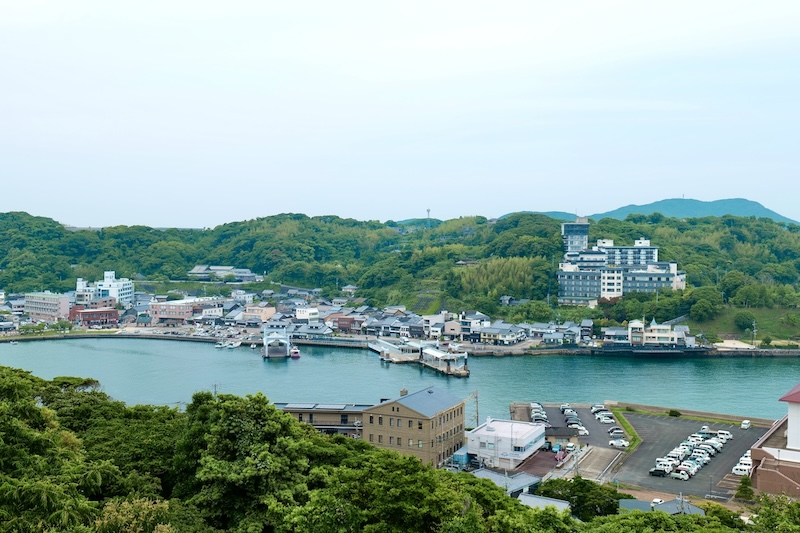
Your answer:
<point x="193" y="114"/>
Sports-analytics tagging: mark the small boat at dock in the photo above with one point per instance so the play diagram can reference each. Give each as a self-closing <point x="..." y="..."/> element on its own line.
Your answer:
<point x="294" y="352"/>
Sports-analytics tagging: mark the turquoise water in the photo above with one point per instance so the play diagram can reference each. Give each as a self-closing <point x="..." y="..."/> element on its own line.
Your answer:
<point x="169" y="372"/>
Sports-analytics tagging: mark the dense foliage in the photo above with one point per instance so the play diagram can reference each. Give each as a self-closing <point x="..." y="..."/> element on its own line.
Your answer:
<point x="72" y="459"/>
<point x="462" y="263"/>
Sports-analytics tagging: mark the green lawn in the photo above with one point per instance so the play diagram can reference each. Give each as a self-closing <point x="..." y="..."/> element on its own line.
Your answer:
<point x="782" y="325"/>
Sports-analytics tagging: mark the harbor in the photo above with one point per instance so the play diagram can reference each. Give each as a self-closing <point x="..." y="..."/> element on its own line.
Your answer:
<point x="164" y="372"/>
<point x="427" y="354"/>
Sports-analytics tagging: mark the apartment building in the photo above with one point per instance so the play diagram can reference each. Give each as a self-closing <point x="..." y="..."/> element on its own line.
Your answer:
<point x="47" y="306"/>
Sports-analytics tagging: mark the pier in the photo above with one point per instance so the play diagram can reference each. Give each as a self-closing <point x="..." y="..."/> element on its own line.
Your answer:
<point x="427" y="354"/>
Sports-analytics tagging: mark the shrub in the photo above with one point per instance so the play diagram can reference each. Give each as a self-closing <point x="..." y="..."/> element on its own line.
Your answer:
<point x="744" y="320"/>
<point x="673" y="412"/>
<point x="766" y="341"/>
<point x="745" y="490"/>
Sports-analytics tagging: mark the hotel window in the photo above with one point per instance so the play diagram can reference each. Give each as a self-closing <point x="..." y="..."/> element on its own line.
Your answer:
<point x="371" y="438"/>
<point x="380" y="420"/>
<point x="391" y="421"/>
<point x="380" y="439"/>
<point x="419" y="425"/>
<point x="410" y="424"/>
<point x="391" y="440"/>
<point x="419" y="444"/>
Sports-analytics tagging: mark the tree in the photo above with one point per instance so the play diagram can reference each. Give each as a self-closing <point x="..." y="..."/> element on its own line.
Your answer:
<point x="701" y="311"/>
<point x="745" y="490"/>
<point x="744" y="319"/>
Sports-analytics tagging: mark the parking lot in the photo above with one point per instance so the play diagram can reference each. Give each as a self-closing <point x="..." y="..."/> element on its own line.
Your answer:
<point x="660" y="434"/>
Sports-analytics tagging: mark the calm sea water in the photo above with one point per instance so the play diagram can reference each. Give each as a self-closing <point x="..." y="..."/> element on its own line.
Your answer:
<point x="169" y="372"/>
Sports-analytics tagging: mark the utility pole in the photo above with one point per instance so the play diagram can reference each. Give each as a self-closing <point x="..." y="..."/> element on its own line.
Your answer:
<point x="754" y="333"/>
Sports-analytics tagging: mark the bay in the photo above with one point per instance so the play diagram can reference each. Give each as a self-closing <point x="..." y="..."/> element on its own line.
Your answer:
<point x="164" y="372"/>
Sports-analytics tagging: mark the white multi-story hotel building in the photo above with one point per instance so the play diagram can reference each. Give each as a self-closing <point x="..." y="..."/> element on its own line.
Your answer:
<point x="110" y="287"/>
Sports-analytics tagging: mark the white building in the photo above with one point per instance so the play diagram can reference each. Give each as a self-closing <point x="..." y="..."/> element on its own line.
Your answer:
<point x="504" y="443"/>
<point x="110" y="287"/>
<point x="307" y="313"/>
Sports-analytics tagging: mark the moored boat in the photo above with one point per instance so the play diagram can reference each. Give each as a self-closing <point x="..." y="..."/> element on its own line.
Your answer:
<point x="294" y="352"/>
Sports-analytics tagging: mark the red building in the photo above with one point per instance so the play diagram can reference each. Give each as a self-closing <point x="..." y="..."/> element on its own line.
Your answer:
<point x="106" y="317"/>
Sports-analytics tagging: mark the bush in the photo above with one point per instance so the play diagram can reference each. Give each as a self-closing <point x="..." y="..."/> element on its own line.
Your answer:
<point x="744" y="320"/>
<point x="745" y="490"/>
<point x="766" y="341"/>
<point x="673" y="412"/>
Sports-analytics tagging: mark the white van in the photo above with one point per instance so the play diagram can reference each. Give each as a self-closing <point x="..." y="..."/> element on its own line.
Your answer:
<point x="740" y="470"/>
<point x="745" y="424"/>
<point x="727" y="435"/>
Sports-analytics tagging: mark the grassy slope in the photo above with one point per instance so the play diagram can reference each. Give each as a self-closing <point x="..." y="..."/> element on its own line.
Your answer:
<point x="769" y="322"/>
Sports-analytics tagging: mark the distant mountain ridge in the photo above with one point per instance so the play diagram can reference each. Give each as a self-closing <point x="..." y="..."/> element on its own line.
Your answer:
<point x="686" y="208"/>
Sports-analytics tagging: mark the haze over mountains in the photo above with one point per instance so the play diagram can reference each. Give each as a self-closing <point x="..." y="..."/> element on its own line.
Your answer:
<point x="685" y="208"/>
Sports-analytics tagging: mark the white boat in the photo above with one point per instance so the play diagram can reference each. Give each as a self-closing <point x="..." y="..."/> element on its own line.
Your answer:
<point x="234" y="344"/>
<point x="276" y="345"/>
<point x="13" y="343"/>
<point x="220" y="344"/>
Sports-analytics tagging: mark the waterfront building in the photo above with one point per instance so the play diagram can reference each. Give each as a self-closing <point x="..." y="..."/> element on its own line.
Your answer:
<point x="47" y="306"/>
<point x="776" y="455"/>
<point x="428" y="424"/>
<point x="504" y="443"/>
<point x="330" y="418"/>
<point x="102" y="317"/>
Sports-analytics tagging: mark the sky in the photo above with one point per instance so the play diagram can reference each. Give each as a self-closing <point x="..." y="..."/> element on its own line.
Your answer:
<point x="194" y="114"/>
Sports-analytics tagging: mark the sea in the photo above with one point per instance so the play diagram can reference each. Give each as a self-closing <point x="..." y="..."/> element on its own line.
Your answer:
<point x="168" y="372"/>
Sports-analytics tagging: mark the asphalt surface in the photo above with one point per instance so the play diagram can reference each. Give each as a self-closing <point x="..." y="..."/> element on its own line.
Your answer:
<point x="660" y="434"/>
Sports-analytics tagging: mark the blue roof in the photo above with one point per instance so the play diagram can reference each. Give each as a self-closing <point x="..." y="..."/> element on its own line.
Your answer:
<point x="428" y="402"/>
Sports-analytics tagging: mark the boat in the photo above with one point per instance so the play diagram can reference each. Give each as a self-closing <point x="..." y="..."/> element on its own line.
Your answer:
<point x="234" y="344"/>
<point x="14" y="343"/>
<point x="220" y="344"/>
<point x="294" y="352"/>
<point x="276" y="344"/>
<point x="253" y="346"/>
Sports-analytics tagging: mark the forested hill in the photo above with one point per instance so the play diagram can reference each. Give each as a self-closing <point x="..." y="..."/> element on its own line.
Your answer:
<point x="419" y="266"/>
<point x="684" y="208"/>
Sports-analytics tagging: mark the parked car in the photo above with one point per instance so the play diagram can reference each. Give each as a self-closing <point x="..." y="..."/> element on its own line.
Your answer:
<point x="570" y="447"/>
<point x="680" y="474"/>
<point x="582" y="431"/>
<point x="568" y="412"/>
<point x="606" y="420"/>
<point x="727" y="435"/>
<point x="614" y="428"/>
<point x="598" y="407"/>
<point x="745" y="424"/>
<point x="740" y="470"/>
<point x="600" y="414"/>
<point x="658" y="472"/>
<point x="565" y="406"/>
<point x="618" y="443"/>
<point x="561" y="455"/>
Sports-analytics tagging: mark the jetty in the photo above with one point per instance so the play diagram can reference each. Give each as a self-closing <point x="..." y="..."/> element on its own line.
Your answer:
<point x="425" y="353"/>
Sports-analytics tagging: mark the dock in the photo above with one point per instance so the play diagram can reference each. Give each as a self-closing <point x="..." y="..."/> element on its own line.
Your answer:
<point x="424" y="353"/>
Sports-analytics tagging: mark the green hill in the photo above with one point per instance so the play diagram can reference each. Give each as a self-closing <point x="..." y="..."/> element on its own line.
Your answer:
<point x="688" y="208"/>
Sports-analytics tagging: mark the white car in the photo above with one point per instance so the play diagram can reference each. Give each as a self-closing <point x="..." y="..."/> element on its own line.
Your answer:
<point x="619" y="443"/>
<point x="600" y="414"/>
<point x="582" y="431"/>
<point x="745" y="424"/>
<point x="606" y="420"/>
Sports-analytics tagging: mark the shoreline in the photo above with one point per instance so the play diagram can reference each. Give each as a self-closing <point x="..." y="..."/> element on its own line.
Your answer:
<point x="360" y="343"/>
